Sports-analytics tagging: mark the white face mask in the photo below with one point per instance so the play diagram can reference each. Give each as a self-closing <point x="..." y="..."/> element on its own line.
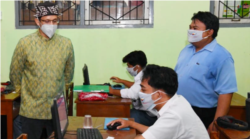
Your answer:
<point x="147" y="101"/>
<point x="195" y="35"/>
<point x="132" y="72"/>
<point x="48" y="29"/>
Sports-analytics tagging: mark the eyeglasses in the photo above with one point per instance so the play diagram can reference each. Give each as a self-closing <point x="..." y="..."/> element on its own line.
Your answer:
<point x="56" y="21"/>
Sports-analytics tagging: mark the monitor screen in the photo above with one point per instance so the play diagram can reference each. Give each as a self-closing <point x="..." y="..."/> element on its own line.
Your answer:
<point x="85" y="75"/>
<point x="59" y="116"/>
<point x="62" y="112"/>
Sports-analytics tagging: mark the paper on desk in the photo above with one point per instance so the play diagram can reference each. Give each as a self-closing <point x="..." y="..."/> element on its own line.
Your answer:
<point x="107" y="120"/>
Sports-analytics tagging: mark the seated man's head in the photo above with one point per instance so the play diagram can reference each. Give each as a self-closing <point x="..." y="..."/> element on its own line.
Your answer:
<point x="47" y="18"/>
<point x="136" y="61"/>
<point x="158" y="85"/>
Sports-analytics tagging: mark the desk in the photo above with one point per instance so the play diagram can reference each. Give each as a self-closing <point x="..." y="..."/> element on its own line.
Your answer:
<point x="238" y="107"/>
<point x="112" y="107"/>
<point x="231" y="133"/>
<point x="8" y="109"/>
<point x="77" y="122"/>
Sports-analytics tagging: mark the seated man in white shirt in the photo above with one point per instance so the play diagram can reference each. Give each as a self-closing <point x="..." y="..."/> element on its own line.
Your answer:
<point x="177" y="120"/>
<point x="136" y="61"/>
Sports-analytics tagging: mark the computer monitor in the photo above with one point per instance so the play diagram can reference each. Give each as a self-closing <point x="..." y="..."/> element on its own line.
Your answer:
<point x="85" y="75"/>
<point x="59" y="116"/>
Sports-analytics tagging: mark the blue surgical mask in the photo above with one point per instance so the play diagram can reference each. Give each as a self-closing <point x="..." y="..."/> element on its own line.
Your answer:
<point x="132" y="72"/>
<point x="195" y="35"/>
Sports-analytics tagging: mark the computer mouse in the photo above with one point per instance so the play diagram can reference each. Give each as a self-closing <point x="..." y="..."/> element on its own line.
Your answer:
<point x="114" y="126"/>
<point x="117" y="85"/>
<point x="107" y="84"/>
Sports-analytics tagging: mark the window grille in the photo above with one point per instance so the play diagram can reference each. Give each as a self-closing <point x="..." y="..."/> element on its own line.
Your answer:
<point x="232" y="11"/>
<point x="91" y="14"/>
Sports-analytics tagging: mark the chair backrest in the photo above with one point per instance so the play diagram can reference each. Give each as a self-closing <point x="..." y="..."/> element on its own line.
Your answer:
<point x="69" y="98"/>
<point x="22" y="136"/>
<point x="214" y="135"/>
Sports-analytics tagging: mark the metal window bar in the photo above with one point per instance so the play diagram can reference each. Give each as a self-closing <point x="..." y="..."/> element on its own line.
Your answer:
<point x="136" y="10"/>
<point x="144" y="13"/>
<point x="226" y="8"/>
<point x="102" y="9"/>
<point x="109" y="10"/>
<point x="232" y="10"/>
<point x="116" y="9"/>
<point x="130" y="9"/>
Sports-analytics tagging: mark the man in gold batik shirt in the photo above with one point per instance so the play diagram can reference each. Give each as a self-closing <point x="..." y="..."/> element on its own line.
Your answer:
<point x="41" y="65"/>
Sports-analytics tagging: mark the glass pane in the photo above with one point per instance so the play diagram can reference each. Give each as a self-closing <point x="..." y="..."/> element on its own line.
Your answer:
<point x="70" y="12"/>
<point x="117" y="11"/>
<point x="234" y="9"/>
<point x="27" y="12"/>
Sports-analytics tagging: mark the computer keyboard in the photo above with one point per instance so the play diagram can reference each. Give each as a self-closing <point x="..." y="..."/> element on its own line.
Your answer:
<point x="90" y="133"/>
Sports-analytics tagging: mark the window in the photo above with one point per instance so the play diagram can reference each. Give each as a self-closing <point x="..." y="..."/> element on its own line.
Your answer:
<point x="233" y="13"/>
<point x="91" y="14"/>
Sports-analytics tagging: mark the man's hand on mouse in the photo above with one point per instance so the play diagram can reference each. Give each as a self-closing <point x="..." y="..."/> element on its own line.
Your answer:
<point x="116" y="79"/>
<point x="124" y="123"/>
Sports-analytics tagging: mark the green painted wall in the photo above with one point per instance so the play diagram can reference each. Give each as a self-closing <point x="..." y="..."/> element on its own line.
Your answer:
<point x="103" y="49"/>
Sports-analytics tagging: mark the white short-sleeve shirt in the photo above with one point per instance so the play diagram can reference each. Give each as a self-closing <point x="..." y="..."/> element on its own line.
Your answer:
<point x="133" y="91"/>
<point x="177" y="121"/>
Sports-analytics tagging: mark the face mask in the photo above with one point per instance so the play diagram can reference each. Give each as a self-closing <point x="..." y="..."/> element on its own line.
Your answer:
<point x="132" y="72"/>
<point x="195" y="35"/>
<point x="49" y="30"/>
<point x="147" y="102"/>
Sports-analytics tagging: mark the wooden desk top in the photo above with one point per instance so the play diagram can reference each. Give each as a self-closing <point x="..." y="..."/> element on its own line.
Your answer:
<point x="9" y="97"/>
<point x="110" y="100"/>
<point x="238" y="100"/>
<point x="232" y="133"/>
<point x="77" y="122"/>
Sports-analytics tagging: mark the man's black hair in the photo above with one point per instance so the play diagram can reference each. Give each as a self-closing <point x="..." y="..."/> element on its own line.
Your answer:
<point x="210" y="20"/>
<point x="136" y="58"/>
<point x="161" y="78"/>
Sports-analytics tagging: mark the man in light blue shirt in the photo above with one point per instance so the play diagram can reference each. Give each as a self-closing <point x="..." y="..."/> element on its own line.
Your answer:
<point x="206" y="71"/>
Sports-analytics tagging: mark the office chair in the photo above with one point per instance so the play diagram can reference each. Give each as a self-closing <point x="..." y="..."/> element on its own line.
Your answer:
<point x="214" y="135"/>
<point x="22" y="136"/>
<point x="69" y="98"/>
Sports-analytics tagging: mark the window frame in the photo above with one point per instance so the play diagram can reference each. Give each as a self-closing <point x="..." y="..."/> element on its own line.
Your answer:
<point x="212" y="10"/>
<point x="82" y="20"/>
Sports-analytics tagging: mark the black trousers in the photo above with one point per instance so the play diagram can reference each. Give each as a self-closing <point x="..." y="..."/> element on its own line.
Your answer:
<point x="34" y="127"/>
<point x="3" y="127"/>
<point x="206" y="114"/>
